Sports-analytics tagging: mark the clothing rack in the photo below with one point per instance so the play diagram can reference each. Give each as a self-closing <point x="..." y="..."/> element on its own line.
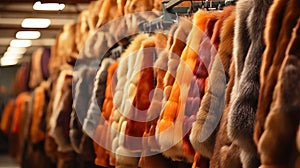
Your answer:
<point x="170" y="13"/>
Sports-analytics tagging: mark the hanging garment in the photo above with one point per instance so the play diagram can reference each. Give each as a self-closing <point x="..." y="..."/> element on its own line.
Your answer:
<point x="277" y="37"/>
<point x="246" y="88"/>
<point x="21" y="81"/>
<point x="36" y="76"/>
<point x="82" y="29"/>
<point x="173" y="115"/>
<point x="24" y="134"/>
<point x="50" y="145"/>
<point x="64" y="49"/>
<point x="112" y="33"/>
<point x="16" y="123"/>
<point x="178" y="44"/>
<point x="101" y="136"/>
<point x="136" y="104"/>
<point x="211" y="108"/>
<point x="150" y="156"/>
<point x="284" y="110"/>
<point x="37" y="128"/>
<point x="45" y="62"/>
<point x="124" y="73"/>
<point x="82" y="144"/>
<point x="6" y="117"/>
<point x="98" y="95"/>
<point x="62" y="108"/>
<point x="225" y="153"/>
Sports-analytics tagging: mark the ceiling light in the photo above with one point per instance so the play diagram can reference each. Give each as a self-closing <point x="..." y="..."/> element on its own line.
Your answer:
<point x="20" y="43"/>
<point x="8" y="61"/>
<point x="48" y="6"/>
<point x="12" y="55"/>
<point x="28" y="35"/>
<point x="36" y="23"/>
<point x="21" y="50"/>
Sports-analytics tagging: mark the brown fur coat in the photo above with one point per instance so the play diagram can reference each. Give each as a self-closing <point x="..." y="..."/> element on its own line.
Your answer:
<point x="277" y="145"/>
<point x="281" y="19"/>
<point x="246" y="88"/>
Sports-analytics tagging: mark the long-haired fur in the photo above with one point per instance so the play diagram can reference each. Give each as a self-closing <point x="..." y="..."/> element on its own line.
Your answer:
<point x="246" y="89"/>
<point x="280" y="22"/>
<point x="277" y="145"/>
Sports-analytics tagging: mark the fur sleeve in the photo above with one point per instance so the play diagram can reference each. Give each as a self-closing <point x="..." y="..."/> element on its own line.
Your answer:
<point x="277" y="145"/>
<point x="246" y="89"/>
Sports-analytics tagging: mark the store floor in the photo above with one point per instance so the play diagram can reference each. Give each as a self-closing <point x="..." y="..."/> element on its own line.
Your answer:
<point x="7" y="162"/>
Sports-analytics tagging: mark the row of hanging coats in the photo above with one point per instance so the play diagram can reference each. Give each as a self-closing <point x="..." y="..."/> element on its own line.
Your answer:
<point x="219" y="88"/>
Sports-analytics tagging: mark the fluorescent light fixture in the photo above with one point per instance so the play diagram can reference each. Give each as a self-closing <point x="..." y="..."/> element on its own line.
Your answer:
<point x="36" y="23"/>
<point x="20" y="43"/>
<point x="12" y="55"/>
<point x="5" y="61"/>
<point x="48" y="6"/>
<point x="20" y="50"/>
<point x="28" y="35"/>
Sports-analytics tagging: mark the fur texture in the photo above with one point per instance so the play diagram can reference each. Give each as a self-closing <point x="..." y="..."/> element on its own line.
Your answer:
<point x="6" y="116"/>
<point x="121" y="97"/>
<point x="109" y="11"/>
<point x="173" y="116"/>
<point x="138" y="111"/>
<point x="36" y="133"/>
<point x="177" y="46"/>
<point x="101" y="129"/>
<point x="203" y="142"/>
<point x="62" y="120"/>
<point x="92" y="118"/>
<point x="36" y="76"/>
<point x="284" y="110"/>
<point x="82" y="29"/>
<point x="134" y="6"/>
<point x="246" y="89"/>
<point x="226" y="154"/>
<point x="281" y="20"/>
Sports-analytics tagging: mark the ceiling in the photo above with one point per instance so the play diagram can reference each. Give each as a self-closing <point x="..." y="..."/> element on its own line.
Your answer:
<point x="12" y="13"/>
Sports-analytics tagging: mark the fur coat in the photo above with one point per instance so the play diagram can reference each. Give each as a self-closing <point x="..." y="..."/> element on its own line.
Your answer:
<point x="6" y="116"/>
<point x="124" y="73"/>
<point x="64" y="48"/>
<point x="250" y="23"/>
<point x="98" y="95"/>
<point x="137" y="114"/>
<point x="277" y="37"/>
<point x="36" y="76"/>
<point x="177" y="147"/>
<point x="101" y="135"/>
<point x="177" y="46"/>
<point x="136" y="103"/>
<point x="277" y="146"/>
<point x="217" y="76"/>
<point x="81" y="143"/>
<point x="150" y="155"/>
<point x="60" y="117"/>
<point x="225" y="153"/>
<point x="37" y="133"/>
